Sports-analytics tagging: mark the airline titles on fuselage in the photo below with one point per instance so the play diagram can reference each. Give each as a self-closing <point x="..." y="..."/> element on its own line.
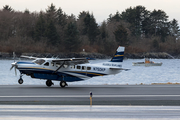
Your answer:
<point x="113" y="65"/>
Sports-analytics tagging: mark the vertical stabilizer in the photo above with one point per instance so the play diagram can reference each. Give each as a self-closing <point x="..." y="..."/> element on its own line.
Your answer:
<point x="119" y="55"/>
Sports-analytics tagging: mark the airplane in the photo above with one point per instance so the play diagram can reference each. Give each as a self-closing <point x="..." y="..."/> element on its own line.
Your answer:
<point x="68" y="69"/>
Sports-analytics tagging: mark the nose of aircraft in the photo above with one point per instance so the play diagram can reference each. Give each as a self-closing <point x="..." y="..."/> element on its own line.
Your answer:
<point x="15" y="67"/>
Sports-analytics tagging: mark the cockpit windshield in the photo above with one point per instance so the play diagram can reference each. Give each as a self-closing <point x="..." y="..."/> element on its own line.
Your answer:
<point x="39" y="61"/>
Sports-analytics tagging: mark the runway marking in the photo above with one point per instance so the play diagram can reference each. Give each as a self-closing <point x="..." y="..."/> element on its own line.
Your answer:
<point x="61" y="96"/>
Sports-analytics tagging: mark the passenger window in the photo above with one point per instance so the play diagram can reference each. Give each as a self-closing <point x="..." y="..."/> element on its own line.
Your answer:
<point x="78" y="67"/>
<point x="83" y="67"/>
<point x="88" y="68"/>
<point x="73" y="67"/>
<point x="46" y="64"/>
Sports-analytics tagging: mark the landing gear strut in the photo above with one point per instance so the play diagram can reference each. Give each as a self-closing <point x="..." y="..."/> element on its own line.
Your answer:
<point x="20" y="81"/>
<point x="49" y="83"/>
<point x="63" y="84"/>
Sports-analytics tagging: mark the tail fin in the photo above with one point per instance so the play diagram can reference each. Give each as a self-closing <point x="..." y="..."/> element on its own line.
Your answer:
<point x="119" y="55"/>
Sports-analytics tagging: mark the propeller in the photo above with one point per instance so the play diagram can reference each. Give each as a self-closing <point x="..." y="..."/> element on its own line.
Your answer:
<point x="14" y="65"/>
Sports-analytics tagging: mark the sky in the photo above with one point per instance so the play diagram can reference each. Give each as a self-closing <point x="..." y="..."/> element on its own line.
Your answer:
<point x="101" y="9"/>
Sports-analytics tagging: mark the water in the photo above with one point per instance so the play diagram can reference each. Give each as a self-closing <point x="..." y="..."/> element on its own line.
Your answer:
<point x="168" y="72"/>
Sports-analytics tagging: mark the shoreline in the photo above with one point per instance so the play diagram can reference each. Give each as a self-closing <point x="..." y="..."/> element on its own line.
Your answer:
<point x="158" y="55"/>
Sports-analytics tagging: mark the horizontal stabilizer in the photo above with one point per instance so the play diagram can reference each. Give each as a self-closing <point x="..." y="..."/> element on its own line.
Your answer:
<point x="119" y="69"/>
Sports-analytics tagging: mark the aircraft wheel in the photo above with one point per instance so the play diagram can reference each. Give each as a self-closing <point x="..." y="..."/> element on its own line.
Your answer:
<point x="63" y="84"/>
<point x="49" y="83"/>
<point x="20" y="81"/>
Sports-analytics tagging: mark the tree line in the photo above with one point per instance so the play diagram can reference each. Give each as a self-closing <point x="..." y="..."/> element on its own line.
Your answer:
<point x="53" y="31"/>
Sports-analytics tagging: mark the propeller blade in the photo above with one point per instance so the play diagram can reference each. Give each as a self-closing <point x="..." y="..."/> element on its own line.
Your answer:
<point x="14" y="65"/>
<point x="11" y="67"/>
<point x="15" y="71"/>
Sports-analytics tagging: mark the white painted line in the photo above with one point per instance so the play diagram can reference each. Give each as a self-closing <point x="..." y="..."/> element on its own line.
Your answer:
<point x="60" y="96"/>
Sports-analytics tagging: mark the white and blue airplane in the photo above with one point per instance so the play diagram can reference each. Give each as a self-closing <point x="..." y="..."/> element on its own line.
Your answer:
<point x="69" y="69"/>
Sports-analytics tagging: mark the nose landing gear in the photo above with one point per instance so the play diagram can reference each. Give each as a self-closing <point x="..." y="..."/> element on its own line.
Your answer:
<point x="20" y="81"/>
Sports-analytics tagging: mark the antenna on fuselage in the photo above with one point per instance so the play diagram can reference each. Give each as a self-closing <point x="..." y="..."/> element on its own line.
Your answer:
<point x="46" y="56"/>
<point x="57" y="57"/>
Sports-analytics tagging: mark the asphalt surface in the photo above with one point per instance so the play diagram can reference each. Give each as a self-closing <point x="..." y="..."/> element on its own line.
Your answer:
<point x="79" y="95"/>
<point x="85" y="112"/>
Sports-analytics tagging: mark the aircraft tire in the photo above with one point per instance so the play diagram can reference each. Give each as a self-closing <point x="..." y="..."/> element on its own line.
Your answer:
<point x="49" y="83"/>
<point x="20" y="81"/>
<point x="63" y="84"/>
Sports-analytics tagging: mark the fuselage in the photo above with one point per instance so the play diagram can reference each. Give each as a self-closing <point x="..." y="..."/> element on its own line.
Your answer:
<point x="46" y="69"/>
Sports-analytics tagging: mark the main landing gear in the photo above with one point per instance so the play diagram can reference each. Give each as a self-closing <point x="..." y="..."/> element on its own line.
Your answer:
<point x="63" y="84"/>
<point x="49" y="83"/>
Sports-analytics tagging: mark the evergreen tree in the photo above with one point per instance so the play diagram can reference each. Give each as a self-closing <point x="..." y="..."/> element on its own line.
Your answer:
<point x="174" y="28"/>
<point x="91" y="27"/>
<point x="61" y="18"/>
<point x="117" y="17"/>
<point x="81" y="24"/>
<point x="103" y="30"/>
<point x="159" y="24"/>
<point x="26" y="11"/>
<point x="121" y="35"/>
<point x="72" y="38"/>
<point x="51" y="12"/>
<point x="7" y="8"/>
<point x="135" y="16"/>
<point x="40" y="27"/>
<point x="52" y="34"/>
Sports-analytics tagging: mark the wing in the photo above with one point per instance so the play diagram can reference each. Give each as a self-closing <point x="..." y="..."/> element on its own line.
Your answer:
<point x="30" y="57"/>
<point x="71" y="61"/>
<point x="68" y="59"/>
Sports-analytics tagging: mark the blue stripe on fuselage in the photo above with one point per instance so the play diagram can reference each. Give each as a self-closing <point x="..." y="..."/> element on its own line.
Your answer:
<point x="48" y="71"/>
<point x="25" y="63"/>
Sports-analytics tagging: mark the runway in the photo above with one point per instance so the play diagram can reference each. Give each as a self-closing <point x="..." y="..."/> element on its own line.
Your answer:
<point x="79" y="95"/>
<point x="84" y="112"/>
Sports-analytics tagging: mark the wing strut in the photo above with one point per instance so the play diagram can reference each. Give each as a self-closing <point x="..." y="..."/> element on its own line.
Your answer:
<point x="60" y="67"/>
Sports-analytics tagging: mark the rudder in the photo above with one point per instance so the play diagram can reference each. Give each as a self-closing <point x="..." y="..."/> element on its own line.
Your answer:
<point x="119" y="55"/>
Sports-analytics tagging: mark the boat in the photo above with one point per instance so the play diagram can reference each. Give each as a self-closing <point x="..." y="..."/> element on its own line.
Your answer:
<point x="147" y="63"/>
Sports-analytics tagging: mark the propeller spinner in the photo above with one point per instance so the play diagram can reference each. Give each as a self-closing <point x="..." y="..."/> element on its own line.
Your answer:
<point x="14" y="65"/>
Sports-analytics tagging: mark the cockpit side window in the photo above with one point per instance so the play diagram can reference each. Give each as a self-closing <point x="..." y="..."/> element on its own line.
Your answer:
<point x="39" y="61"/>
<point x="46" y="64"/>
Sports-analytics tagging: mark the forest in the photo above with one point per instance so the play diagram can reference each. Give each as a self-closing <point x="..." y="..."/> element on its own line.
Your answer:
<point x="53" y="31"/>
